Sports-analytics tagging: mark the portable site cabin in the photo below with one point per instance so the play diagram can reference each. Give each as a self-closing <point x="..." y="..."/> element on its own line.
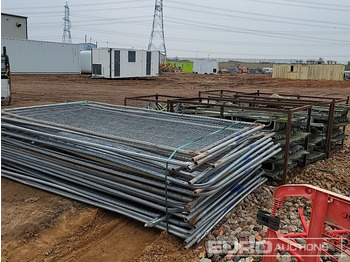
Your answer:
<point x="124" y="63"/>
<point x="201" y="66"/>
<point x="310" y="72"/>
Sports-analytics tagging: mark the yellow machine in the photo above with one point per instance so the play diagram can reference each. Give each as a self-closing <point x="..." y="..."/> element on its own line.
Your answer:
<point x="167" y="67"/>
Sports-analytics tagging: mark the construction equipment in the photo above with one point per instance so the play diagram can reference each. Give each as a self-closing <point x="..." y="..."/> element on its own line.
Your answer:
<point x="242" y="69"/>
<point x="329" y="226"/>
<point x="6" y="98"/>
<point x="167" y="67"/>
<point x="238" y="70"/>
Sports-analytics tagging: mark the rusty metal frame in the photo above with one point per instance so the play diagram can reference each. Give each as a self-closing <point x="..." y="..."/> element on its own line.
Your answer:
<point x="295" y="101"/>
<point x="259" y="93"/>
<point x="157" y="98"/>
<point x="304" y="99"/>
<point x="347" y="103"/>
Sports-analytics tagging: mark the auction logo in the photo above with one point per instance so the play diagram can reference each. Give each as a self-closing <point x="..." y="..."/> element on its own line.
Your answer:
<point x="269" y="248"/>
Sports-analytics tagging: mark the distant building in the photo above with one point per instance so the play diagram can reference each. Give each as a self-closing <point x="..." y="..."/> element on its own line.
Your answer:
<point x="309" y="72"/>
<point x="14" y="26"/>
<point x="86" y="46"/>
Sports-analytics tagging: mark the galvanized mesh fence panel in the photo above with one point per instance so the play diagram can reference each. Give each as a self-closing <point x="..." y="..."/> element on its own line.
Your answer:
<point x="118" y="158"/>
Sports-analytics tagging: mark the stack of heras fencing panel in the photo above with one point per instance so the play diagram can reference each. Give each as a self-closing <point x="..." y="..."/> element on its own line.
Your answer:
<point x="177" y="172"/>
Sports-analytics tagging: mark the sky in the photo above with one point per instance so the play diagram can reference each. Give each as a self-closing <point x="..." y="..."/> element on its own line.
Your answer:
<point x="249" y="29"/>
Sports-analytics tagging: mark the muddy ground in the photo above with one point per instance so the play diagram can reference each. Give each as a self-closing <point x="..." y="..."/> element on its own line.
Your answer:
<point x="39" y="226"/>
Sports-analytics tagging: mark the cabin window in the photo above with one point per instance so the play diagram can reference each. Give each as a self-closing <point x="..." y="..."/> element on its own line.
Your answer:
<point x="292" y="68"/>
<point x="132" y="56"/>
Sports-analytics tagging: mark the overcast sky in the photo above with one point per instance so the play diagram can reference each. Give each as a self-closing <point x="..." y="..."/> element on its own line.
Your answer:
<point x="262" y="29"/>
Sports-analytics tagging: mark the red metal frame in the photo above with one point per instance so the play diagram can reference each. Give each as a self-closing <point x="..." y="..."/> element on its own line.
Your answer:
<point x="327" y="208"/>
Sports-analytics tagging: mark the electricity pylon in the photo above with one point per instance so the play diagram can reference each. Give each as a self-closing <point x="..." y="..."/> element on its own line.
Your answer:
<point x="156" y="41"/>
<point x="66" y="38"/>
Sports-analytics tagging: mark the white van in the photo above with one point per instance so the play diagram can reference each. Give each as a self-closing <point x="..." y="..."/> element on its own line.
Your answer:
<point x="347" y="75"/>
<point x="267" y="70"/>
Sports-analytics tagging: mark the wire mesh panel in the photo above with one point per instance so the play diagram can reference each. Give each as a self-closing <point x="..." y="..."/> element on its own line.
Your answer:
<point x="144" y="125"/>
<point x="177" y="172"/>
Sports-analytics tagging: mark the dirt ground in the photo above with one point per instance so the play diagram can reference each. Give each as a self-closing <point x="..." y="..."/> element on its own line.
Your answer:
<point x="30" y="90"/>
<point x="39" y="226"/>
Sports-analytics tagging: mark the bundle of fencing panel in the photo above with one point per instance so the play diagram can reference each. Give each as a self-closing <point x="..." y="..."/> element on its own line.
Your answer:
<point x="176" y="172"/>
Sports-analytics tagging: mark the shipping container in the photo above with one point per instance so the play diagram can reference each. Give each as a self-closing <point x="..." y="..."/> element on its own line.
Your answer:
<point x="184" y="66"/>
<point x="38" y="57"/>
<point x="201" y="66"/>
<point x="309" y="72"/>
<point x="124" y="63"/>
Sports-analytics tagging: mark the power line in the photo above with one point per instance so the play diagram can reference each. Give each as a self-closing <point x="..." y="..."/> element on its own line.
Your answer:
<point x="303" y="6"/>
<point x="228" y="43"/>
<point x="74" y="5"/>
<point x="176" y="21"/>
<point x="173" y="23"/>
<point x="255" y="32"/>
<point x="255" y="14"/>
<point x="89" y="10"/>
<point x="181" y="40"/>
<point x="318" y="3"/>
<point x="279" y="35"/>
<point x="186" y="50"/>
<point x="216" y="42"/>
<point x="113" y="3"/>
<point x="325" y="24"/>
<point x="256" y="55"/>
<point x="292" y="20"/>
<point x="107" y="20"/>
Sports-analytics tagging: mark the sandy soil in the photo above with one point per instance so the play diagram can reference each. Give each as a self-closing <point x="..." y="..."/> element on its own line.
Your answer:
<point x="39" y="226"/>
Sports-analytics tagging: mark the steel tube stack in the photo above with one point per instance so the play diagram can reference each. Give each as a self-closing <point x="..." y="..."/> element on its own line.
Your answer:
<point x="176" y="172"/>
